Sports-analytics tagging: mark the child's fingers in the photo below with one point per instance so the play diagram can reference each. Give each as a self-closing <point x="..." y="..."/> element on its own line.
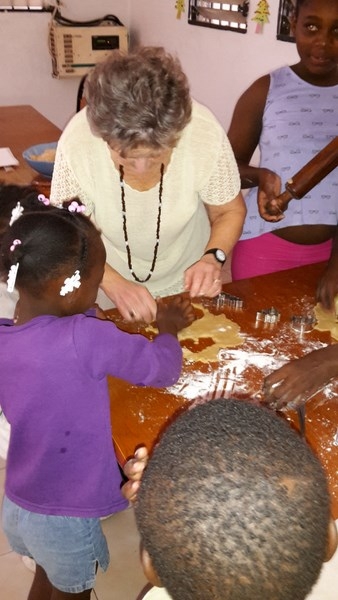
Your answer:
<point x="134" y="467"/>
<point x="130" y="489"/>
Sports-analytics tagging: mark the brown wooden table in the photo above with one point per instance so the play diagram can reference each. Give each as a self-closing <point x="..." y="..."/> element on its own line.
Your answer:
<point x="20" y="128"/>
<point x="139" y="414"/>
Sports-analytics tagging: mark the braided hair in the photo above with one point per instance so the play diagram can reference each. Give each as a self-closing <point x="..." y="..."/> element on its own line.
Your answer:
<point x="47" y="244"/>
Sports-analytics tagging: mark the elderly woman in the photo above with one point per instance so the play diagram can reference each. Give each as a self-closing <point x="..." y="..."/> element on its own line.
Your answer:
<point x="157" y="175"/>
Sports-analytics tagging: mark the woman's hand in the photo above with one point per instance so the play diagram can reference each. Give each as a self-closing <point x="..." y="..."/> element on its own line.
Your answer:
<point x="301" y="378"/>
<point x="133" y="469"/>
<point x="203" y="278"/>
<point x="133" y="301"/>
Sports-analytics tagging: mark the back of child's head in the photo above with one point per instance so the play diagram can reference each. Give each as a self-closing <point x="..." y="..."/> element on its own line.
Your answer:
<point x="233" y="505"/>
<point x="27" y="196"/>
<point x="47" y="244"/>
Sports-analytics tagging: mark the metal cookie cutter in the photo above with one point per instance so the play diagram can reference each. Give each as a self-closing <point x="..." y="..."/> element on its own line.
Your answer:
<point x="268" y="315"/>
<point x="303" y="323"/>
<point x="224" y="299"/>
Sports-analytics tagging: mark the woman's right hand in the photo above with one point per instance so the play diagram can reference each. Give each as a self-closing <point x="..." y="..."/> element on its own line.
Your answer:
<point x="133" y="301"/>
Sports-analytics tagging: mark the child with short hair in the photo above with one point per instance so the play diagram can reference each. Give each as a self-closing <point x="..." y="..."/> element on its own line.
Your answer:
<point x="233" y="504"/>
<point x="61" y="473"/>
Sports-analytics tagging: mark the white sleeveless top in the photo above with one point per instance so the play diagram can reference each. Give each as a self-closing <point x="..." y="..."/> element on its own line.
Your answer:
<point x="299" y="120"/>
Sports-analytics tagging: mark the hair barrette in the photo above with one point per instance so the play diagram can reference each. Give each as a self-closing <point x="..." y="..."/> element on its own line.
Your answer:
<point x="12" y="277"/>
<point x="42" y="198"/>
<point x="76" y="207"/>
<point x="16" y="213"/>
<point x="15" y="243"/>
<point x="71" y="283"/>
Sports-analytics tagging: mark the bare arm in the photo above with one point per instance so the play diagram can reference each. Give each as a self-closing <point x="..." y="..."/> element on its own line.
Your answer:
<point x="244" y="135"/>
<point x="132" y="300"/>
<point x="246" y="127"/>
<point x="204" y="276"/>
<point x="226" y="223"/>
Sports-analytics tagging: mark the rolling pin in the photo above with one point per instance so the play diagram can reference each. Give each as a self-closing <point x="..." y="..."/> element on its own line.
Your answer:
<point x="312" y="173"/>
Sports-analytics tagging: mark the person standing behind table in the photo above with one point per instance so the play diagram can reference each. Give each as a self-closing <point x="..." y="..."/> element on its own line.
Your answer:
<point x="291" y="114"/>
<point x="159" y="178"/>
<point x="61" y="471"/>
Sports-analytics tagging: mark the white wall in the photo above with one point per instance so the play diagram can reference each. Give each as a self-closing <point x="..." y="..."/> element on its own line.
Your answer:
<point x="25" y="63"/>
<point x="219" y="64"/>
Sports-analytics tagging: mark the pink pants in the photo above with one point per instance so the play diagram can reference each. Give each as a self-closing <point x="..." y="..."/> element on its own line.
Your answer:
<point x="269" y="253"/>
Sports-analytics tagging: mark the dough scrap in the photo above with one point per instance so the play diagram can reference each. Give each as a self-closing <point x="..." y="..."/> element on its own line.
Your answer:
<point x="326" y="321"/>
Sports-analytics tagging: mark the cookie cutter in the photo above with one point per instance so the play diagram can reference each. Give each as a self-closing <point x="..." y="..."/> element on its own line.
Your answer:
<point x="268" y="315"/>
<point x="303" y="323"/>
<point x="224" y="299"/>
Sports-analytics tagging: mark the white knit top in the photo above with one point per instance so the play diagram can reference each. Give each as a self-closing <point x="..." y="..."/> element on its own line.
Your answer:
<point x="202" y="170"/>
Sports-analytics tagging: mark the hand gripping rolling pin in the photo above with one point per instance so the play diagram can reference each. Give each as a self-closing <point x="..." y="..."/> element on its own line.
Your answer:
<point x="312" y="173"/>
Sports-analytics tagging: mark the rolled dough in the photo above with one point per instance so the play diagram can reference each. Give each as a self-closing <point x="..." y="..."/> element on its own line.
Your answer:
<point x="326" y="321"/>
<point x="203" y="339"/>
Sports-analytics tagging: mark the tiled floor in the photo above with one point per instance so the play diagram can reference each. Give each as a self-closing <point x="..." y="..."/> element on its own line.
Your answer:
<point x="124" y="579"/>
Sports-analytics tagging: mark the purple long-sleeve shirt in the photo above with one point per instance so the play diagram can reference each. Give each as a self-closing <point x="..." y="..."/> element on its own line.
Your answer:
<point x="53" y="391"/>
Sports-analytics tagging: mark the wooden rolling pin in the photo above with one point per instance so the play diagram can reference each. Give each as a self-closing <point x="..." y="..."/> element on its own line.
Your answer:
<point x="312" y="173"/>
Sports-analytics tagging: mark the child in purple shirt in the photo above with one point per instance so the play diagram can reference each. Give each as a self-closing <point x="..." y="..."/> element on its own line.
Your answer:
<point x="62" y="474"/>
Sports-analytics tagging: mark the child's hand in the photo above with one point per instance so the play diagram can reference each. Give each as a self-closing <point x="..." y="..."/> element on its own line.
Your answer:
<point x="133" y="469"/>
<point x="269" y="207"/>
<point x="295" y="382"/>
<point x="174" y="314"/>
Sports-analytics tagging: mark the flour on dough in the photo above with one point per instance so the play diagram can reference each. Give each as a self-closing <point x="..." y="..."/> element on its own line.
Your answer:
<point x="326" y="321"/>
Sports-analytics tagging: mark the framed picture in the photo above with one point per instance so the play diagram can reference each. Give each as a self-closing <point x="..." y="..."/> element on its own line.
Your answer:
<point x="219" y="15"/>
<point x="285" y="14"/>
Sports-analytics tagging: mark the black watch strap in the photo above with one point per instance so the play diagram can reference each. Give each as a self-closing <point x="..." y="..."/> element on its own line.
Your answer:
<point x="218" y="253"/>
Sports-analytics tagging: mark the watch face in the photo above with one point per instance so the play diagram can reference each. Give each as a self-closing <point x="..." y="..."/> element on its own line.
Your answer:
<point x="220" y="255"/>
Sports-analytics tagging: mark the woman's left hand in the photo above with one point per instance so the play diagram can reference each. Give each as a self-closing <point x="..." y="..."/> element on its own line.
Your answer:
<point x="203" y="278"/>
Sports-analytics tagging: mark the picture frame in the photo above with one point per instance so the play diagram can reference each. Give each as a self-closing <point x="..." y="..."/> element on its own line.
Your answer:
<point x="285" y="14"/>
<point x="219" y="15"/>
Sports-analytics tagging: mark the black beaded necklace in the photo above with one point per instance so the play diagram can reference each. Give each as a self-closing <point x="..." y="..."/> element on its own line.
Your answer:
<point x="125" y="233"/>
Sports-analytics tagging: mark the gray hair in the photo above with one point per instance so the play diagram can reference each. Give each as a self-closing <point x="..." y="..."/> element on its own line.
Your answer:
<point x="138" y="98"/>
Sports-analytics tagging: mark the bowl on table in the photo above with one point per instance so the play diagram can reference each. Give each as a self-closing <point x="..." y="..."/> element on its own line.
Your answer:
<point x="41" y="158"/>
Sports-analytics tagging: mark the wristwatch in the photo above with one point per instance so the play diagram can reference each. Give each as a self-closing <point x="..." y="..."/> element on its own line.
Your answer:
<point x="218" y="254"/>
